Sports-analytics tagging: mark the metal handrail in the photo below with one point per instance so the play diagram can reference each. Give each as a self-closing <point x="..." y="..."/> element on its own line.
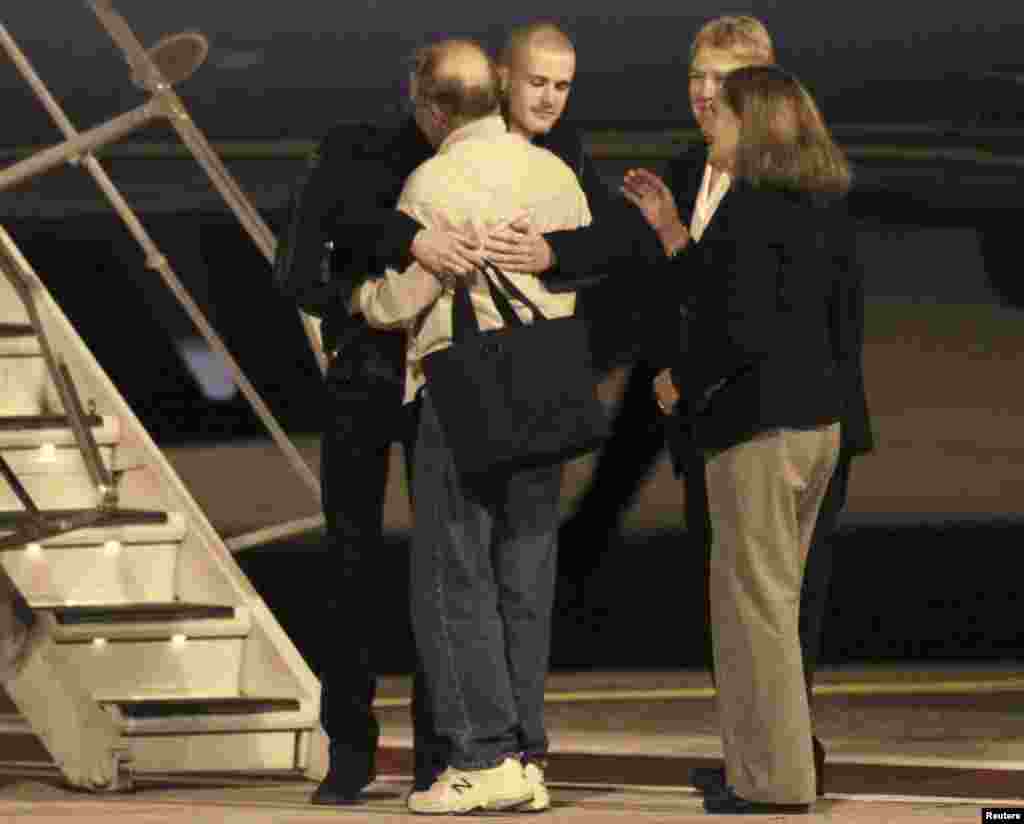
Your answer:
<point x="163" y="103"/>
<point x="100" y="476"/>
<point x="40" y="527"/>
<point x="145" y="69"/>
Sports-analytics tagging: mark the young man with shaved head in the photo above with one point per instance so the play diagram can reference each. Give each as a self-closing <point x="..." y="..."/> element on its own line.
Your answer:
<point x="483" y="554"/>
<point x="538" y="69"/>
<point x="537" y="66"/>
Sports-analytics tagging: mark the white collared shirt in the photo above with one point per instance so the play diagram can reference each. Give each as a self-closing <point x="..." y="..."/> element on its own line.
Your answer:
<point x="707" y="201"/>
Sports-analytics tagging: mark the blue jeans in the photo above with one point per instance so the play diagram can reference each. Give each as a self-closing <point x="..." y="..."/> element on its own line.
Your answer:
<point x="482" y="585"/>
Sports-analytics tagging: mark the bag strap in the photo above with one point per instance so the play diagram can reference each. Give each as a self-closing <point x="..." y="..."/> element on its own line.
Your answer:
<point x="465" y="323"/>
<point x="513" y="290"/>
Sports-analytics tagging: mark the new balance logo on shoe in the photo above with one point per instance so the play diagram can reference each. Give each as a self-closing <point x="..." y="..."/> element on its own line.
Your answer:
<point x="461" y="785"/>
<point x="461" y="791"/>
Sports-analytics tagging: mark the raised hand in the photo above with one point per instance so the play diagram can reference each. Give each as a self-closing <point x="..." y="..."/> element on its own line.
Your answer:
<point x="648" y="192"/>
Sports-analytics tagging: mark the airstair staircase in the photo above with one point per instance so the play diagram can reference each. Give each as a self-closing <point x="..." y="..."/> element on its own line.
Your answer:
<point x="131" y="643"/>
<point x="147" y="616"/>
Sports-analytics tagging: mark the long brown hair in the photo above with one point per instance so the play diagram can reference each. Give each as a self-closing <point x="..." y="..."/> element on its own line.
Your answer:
<point x="783" y="140"/>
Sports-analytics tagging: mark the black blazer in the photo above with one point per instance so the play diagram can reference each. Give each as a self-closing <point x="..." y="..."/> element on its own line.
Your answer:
<point x="347" y="199"/>
<point x="799" y="232"/>
<point x="618" y="238"/>
<point x="759" y="339"/>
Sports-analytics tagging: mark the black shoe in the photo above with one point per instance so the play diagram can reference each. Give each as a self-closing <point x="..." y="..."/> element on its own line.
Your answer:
<point x="335" y="792"/>
<point x="728" y="803"/>
<point x="708" y="780"/>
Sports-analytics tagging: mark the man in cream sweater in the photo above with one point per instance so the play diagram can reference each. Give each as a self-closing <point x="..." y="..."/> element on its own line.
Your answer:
<point x="483" y="555"/>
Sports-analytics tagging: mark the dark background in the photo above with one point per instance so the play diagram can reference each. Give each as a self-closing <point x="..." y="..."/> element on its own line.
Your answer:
<point x="282" y="69"/>
<point x="928" y="103"/>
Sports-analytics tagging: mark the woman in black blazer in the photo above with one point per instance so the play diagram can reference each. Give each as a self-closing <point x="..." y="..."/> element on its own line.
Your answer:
<point x="747" y="337"/>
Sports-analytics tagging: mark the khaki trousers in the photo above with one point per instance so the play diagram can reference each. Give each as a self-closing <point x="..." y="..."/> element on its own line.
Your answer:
<point x="763" y="498"/>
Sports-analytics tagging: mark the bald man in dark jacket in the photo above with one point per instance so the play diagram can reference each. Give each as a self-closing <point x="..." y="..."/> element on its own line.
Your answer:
<point x="344" y="226"/>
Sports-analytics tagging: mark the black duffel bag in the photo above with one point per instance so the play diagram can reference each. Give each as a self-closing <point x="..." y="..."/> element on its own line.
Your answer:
<point x="521" y="396"/>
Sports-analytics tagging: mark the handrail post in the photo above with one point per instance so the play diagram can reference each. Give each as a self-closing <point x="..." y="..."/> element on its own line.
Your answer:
<point x="144" y="68"/>
<point x="164" y="102"/>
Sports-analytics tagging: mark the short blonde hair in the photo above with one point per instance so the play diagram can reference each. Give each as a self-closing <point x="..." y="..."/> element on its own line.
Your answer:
<point x="543" y="33"/>
<point x="744" y="36"/>
<point x="783" y="140"/>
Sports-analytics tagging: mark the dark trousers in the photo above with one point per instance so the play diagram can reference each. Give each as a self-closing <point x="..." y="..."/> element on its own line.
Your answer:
<point x="482" y="580"/>
<point x="363" y="421"/>
<point x="625" y="461"/>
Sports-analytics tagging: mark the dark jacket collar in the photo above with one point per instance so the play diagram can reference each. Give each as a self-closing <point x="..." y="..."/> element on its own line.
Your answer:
<point x="407" y="144"/>
<point x="564" y="140"/>
<point x="771" y="212"/>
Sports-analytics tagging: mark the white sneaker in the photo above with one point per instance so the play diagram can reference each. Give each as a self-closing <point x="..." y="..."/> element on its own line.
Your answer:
<point x="534" y="775"/>
<point x="462" y="791"/>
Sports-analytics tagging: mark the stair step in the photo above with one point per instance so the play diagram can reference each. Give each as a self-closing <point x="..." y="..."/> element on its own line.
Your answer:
<point x="148" y="531"/>
<point x="144" y="606"/>
<point x="34" y="431"/>
<point x="13" y="519"/>
<point x="57" y="479"/>
<point x="28" y="387"/>
<point x="203" y="666"/>
<point x="18" y="344"/>
<point x="221" y="753"/>
<point x="216" y="752"/>
<point x="145" y="621"/>
<point x="124" y="526"/>
<point x="139" y="613"/>
<point x="10" y="423"/>
<point x="109" y="572"/>
<point x="178" y="705"/>
<point x="198" y="713"/>
<point x="16" y="330"/>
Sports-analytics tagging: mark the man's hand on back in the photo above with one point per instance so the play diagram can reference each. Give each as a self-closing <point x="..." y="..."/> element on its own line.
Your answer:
<point x="518" y="247"/>
<point x="444" y="252"/>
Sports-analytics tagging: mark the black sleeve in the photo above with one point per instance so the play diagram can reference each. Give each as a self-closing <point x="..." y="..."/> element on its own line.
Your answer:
<point x="381" y="233"/>
<point x="337" y="203"/>
<point x="676" y="178"/>
<point x="846" y="304"/>
<point x="670" y="307"/>
<point x="736" y="322"/>
<point x="846" y="333"/>
<point x="617" y="238"/>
